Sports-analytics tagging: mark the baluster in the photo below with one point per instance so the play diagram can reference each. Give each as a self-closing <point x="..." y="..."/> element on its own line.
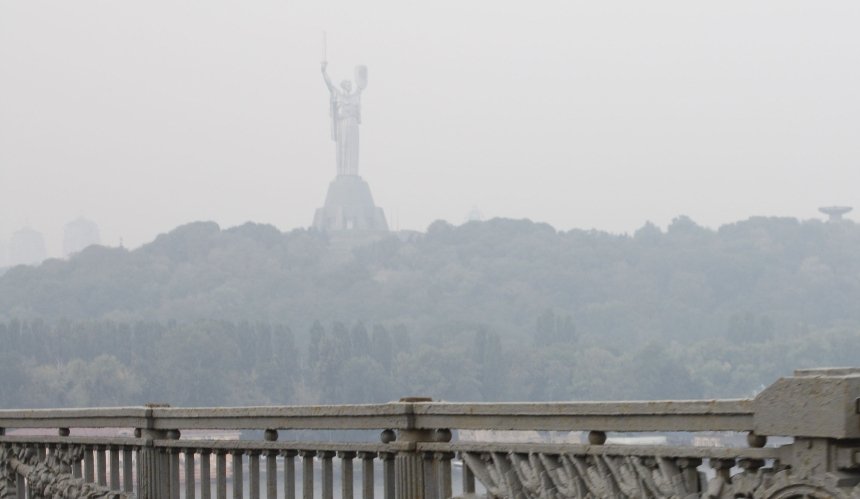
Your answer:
<point x="750" y="466"/>
<point x="468" y="478"/>
<point x="50" y="454"/>
<point x="346" y="474"/>
<point x="89" y="472"/>
<point x="62" y="462"/>
<point x="307" y="473"/>
<point x="190" y="479"/>
<point x="238" y="478"/>
<point x="101" y="465"/>
<point x="114" y="467"/>
<point x="723" y="468"/>
<point x="327" y="474"/>
<point x="127" y="473"/>
<point x="21" y="486"/>
<point x="366" y="474"/>
<point x="77" y="471"/>
<point x="174" y="472"/>
<point x="387" y="474"/>
<point x="271" y="435"/>
<point x="221" y="473"/>
<point x="205" y="478"/>
<point x="272" y="474"/>
<point x="689" y="472"/>
<point x="289" y="474"/>
<point x="254" y="467"/>
<point x="443" y="464"/>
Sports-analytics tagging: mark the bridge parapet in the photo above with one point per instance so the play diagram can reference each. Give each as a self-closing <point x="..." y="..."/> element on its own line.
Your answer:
<point x="418" y="449"/>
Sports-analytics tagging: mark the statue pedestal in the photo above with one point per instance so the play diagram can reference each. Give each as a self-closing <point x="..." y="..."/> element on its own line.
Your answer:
<point x="349" y="206"/>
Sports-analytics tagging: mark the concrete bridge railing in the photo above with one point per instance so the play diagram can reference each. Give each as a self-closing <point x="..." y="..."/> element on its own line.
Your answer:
<point x="815" y="414"/>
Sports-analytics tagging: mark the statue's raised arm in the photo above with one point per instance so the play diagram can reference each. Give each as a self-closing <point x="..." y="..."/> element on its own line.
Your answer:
<point x="328" y="83"/>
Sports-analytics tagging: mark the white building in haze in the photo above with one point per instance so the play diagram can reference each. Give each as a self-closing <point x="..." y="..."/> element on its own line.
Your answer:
<point x="27" y="247"/>
<point x="80" y="234"/>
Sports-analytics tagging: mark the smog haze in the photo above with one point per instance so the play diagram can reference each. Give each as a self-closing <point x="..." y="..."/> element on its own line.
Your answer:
<point x="146" y="115"/>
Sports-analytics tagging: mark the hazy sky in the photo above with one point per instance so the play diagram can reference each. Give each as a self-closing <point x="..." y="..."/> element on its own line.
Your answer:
<point x="146" y="115"/>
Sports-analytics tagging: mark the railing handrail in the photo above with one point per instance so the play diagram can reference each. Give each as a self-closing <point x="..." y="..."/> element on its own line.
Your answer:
<point x="106" y="417"/>
<point x="819" y="409"/>
<point x="637" y="416"/>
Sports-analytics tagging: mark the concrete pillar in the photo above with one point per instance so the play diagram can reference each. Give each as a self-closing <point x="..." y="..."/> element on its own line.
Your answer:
<point x="153" y="480"/>
<point x="409" y="467"/>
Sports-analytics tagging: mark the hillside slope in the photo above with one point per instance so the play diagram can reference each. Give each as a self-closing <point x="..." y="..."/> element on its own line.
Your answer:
<point x="687" y="282"/>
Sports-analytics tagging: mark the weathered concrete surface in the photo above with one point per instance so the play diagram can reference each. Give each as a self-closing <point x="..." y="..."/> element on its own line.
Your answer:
<point x="813" y="403"/>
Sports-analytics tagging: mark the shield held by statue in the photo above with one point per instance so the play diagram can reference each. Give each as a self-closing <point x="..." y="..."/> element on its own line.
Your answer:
<point x="361" y="77"/>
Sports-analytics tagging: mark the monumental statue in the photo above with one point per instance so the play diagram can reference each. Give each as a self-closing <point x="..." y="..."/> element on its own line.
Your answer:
<point x="345" y="109"/>
<point x="349" y="204"/>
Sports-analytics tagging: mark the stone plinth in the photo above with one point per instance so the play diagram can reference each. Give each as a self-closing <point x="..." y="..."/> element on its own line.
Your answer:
<point x="349" y="206"/>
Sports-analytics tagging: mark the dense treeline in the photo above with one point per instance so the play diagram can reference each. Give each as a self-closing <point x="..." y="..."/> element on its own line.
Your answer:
<point x="205" y="363"/>
<point x="485" y="311"/>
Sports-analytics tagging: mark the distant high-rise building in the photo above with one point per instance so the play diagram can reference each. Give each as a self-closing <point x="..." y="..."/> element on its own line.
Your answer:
<point x="80" y="234"/>
<point x="27" y="247"/>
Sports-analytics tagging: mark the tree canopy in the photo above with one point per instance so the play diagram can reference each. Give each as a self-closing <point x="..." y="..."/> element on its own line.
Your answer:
<point x="503" y="309"/>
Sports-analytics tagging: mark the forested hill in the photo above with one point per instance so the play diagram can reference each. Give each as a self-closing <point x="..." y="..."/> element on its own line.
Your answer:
<point x="762" y="276"/>
<point x="499" y="310"/>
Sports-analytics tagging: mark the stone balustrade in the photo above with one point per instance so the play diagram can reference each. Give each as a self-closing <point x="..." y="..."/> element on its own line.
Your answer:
<point x="801" y="439"/>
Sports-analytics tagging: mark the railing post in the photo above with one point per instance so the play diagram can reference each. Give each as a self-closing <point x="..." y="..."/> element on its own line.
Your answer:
<point x="409" y="469"/>
<point x="820" y="408"/>
<point x="409" y="464"/>
<point x="154" y="465"/>
<point x="152" y="480"/>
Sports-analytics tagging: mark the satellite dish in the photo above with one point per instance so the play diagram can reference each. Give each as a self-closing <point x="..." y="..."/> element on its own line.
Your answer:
<point x="835" y="212"/>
